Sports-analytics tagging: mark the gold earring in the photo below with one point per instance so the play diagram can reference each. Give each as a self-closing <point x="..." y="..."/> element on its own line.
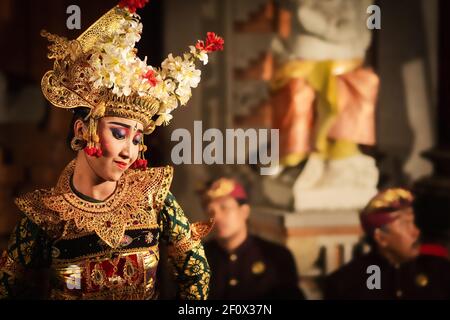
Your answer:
<point x="77" y="144"/>
<point x="93" y="147"/>
<point x="140" y="162"/>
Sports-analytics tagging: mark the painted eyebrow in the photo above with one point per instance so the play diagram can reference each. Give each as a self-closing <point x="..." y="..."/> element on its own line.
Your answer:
<point x="124" y="125"/>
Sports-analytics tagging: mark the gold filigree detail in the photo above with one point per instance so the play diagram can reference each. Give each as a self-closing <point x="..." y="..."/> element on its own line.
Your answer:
<point x="69" y="84"/>
<point x="123" y="293"/>
<point x="101" y="284"/>
<point x="31" y="205"/>
<point x="182" y="246"/>
<point x="198" y="230"/>
<point x="138" y="198"/>
<point x="60" y="262"/>
<point x="61" y="47"/>
<point x="9" y="266"/>
<point x="72" y="232"/>
<point x="106" y="25"/>
<point x="201" y="229"/>
<point x="98" y="276"/>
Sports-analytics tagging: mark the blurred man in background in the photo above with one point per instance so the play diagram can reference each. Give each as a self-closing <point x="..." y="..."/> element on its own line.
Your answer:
<point x="394" y="268"/>
<point x="244" y="266"/>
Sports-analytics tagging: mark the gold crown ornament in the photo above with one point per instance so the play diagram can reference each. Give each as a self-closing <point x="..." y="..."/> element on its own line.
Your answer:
<point x="100" y="70"/>
<point x="390" y="200"/>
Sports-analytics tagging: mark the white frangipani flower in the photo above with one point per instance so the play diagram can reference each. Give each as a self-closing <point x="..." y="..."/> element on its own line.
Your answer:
<point x="163" y="119"/>
<point x="200" y="55"/>
<point x="118" y="68"/>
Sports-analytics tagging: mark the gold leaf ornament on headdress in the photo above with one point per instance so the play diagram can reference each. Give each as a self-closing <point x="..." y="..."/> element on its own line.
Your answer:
<point x="220" y="188"/>
<point x="101" y="71"/>
<point x="61" y="47"/>
<point x="391" y="197"/>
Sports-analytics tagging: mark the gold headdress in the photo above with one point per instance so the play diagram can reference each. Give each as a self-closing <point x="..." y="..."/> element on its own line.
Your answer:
<point x="389" y="200"/>
<point x="101" y="71"/>
<point x="224" y="187"/>
<point x="379" y="211"/>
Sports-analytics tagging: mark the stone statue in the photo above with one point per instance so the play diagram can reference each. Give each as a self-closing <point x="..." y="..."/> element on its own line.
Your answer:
<point x="323" y="101"/>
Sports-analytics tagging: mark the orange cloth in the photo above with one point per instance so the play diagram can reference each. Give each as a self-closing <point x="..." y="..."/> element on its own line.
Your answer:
<point x="293" y="115"/>
<point x="357" y="93"/>
<point x="351" y="112"/>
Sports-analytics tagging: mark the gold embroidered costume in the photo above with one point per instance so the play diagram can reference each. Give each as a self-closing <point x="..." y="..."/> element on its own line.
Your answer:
<point x="70" y="246"/>
<point x="103" y="250"/>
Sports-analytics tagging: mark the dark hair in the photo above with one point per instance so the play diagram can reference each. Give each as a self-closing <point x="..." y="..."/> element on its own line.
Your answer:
<point x="78" y="113"/>
<point x="431" y="209"/>
<point x="370" y="241"/>
<point x="201" y="191"/>
<point x="369" y="238"/>
<point x="241" y="202"/>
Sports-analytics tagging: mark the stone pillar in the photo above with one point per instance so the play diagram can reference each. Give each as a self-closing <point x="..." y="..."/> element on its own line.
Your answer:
<point x="320" y="240"/>
<point x="433" y="192"/>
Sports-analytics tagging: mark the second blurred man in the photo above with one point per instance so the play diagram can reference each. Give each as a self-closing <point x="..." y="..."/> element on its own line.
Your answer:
<point x="244" y="266"/>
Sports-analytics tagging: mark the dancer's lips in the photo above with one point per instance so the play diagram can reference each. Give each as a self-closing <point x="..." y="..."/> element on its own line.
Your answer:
<point x="122" y="165"/>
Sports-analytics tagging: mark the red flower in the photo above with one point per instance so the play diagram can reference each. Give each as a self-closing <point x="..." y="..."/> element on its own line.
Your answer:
<point x="139" y="164"/>
<point x="93" y="152"/>
<point x="99" y="153"/>
<point x="213" y="43"/>
<point x="132" y="5"/>
<point x="150" y="76"/>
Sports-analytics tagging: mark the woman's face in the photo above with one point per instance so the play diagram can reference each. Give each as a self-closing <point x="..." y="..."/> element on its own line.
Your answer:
<point x="119" y="139"/>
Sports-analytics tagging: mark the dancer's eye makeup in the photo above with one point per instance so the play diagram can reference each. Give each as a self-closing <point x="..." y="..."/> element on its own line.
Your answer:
<point x="137" y="138"/>
<point x="119" y="133"/>
<point x="123" y="130"/>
